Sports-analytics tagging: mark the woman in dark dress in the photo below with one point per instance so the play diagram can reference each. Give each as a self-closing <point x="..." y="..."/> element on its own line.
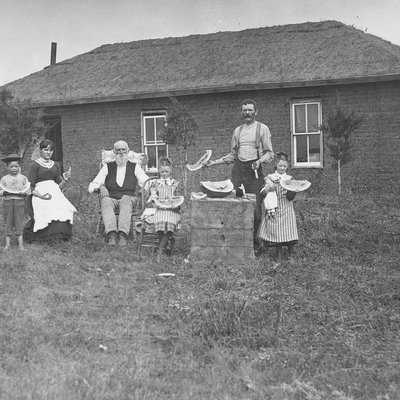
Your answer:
<point x="52" y="212"/>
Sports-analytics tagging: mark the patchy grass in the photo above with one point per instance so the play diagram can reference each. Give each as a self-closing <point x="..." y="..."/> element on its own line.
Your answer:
<point x="80" y="321"/>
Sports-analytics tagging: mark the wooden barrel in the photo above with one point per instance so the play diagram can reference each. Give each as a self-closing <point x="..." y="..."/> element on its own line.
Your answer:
<point x="222" y="229"/>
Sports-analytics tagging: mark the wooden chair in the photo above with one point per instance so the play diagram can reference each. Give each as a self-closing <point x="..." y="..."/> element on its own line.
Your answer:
<point x="147" y="236"/>
<point x="105" y="156"/>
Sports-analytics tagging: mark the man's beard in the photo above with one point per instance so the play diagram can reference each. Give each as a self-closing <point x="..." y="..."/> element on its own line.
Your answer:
<point x="121" y="159"/>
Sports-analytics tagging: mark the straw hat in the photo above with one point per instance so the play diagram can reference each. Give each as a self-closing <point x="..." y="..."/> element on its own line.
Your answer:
<point x="11" y="157"/>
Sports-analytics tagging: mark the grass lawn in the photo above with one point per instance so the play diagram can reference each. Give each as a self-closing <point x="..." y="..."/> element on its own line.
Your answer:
<point x="81" y="321"/>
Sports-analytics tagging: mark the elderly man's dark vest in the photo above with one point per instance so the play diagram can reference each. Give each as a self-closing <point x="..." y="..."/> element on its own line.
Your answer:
<point x="130" y="182"/>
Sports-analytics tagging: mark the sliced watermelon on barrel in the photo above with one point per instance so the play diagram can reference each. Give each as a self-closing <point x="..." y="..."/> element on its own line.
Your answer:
<point x="217" y="189"/>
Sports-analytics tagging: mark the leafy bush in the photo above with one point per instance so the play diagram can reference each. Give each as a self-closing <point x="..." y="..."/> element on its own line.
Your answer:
<point x="339" y="126"/>
<point x="20" y="123"/>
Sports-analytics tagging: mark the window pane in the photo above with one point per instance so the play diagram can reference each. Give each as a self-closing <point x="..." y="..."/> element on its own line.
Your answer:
<point x="315" y="151"/>
<point x="151" y="152"/>
<point x="312" y="118"/>
<point x="301" y="148"/>
<point x="149" y="130"/>
<point x="154" y="146"/>
<point x="300" y="118"/>
<point x="159" y="128"/>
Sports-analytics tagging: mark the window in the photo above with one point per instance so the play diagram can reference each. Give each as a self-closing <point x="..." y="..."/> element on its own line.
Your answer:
<point x="153" y="144"/>
<point x="53" y="132"/>
<point x="307" y="141"/>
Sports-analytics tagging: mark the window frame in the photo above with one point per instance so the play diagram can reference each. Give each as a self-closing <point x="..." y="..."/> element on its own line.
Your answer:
<point x="157" y="143"/>
<point x="308" y="164"/>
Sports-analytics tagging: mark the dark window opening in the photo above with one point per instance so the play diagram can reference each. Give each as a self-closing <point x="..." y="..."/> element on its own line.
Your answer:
<point x="53" y="132"/>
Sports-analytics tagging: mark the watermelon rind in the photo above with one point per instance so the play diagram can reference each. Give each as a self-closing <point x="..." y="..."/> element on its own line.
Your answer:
<point x="198" y="195"/>
<point x="200" y="162"/>
<point x="169" y="204"/>
<point x="294" y="185"/>
<point x="193" y="167"/>
<point x="217" y="189"/>
<point x="15" y="191"/>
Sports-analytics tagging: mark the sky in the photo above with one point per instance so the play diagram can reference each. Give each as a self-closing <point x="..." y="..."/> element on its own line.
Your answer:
<point x="28" y="27"/>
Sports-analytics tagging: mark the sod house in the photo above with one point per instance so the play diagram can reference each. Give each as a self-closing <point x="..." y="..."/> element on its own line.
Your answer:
<point x="296" y="73"/>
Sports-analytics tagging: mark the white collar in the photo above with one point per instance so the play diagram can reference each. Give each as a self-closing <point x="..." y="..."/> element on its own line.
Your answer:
<point x="43" y="163"/>
<point x="168" y="181"/>
<point x="279" y="176"/>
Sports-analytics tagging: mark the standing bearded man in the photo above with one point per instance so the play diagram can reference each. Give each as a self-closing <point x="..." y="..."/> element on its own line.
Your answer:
<point x="250" y="147"/>
<point x="118" y="183"/>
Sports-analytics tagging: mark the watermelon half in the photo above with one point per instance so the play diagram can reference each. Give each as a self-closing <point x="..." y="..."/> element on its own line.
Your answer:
<point x="169" y="204"/>
<point x="217" y="189"/>
<point x="198" y="195"/>
<point x="294" y="185"/>
<point x="201" y="161"/>
<point x="25" y="189"/>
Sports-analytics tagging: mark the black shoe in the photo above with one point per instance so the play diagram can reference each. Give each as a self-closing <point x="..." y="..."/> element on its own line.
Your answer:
<point x="111" y="238"/>
<point x="122" y="239"/>
<point x="239" y="192"/>
<point x="258" y="251"/>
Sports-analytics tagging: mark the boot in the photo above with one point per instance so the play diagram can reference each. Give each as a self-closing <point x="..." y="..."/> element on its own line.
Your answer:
<point x="160" y="235"/>
<point x="290" y="250"/>
<point x="123" y="239"/>
<point x="278" y="253"/>
<point x="111" y="238"/>
<point x="168" y="244"/>
<point x="163" y="243"/>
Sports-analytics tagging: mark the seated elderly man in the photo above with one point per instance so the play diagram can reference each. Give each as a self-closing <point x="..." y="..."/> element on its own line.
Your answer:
<point x="117" y="182"/>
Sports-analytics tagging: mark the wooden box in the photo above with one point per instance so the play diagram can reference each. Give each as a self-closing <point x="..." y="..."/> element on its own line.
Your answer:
<point x="222" y="229"/>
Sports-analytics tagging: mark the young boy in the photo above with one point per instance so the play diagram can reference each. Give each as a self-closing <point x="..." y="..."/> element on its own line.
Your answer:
<point x="14" y="187"/>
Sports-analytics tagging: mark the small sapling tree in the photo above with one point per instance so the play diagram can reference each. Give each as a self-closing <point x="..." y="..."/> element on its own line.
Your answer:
<point x="180" y="131"/>
<point x="20" y="123"/>
<point x="339" y="126"/>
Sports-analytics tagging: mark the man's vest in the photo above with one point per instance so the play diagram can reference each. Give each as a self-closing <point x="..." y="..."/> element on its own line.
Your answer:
<point x="129" y="186"/>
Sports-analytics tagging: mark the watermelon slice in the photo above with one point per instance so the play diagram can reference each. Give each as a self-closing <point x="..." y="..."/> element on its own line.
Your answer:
<point x="295" y="185"/>
<point x="218" y="189"/>
<point x="198" y="195"/>
<point x="25" y="189"/>
<point x="169" y="204"/>
<point x="200" y="163"/>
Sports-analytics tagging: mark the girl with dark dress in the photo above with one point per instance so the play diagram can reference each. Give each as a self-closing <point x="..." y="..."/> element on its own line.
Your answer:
<point x="52" y="212"/>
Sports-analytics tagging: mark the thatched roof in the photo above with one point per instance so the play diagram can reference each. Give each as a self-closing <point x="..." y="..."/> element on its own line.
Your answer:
<point x="278" y="56"/>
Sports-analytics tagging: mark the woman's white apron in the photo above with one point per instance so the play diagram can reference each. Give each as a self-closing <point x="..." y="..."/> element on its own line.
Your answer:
<point x="58" y="208"/>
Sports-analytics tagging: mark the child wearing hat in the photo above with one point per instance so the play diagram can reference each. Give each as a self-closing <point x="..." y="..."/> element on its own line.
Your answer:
<point x="14" y="187"/>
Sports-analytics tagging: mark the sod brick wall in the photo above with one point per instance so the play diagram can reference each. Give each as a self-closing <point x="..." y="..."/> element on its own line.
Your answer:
<point x="86" y="129"/>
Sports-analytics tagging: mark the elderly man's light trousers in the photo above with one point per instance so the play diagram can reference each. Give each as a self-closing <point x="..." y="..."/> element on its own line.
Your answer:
<point x="126" y="205"/>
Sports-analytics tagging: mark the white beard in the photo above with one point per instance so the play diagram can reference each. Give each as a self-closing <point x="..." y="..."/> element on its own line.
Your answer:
<point x="121" y="159"/>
